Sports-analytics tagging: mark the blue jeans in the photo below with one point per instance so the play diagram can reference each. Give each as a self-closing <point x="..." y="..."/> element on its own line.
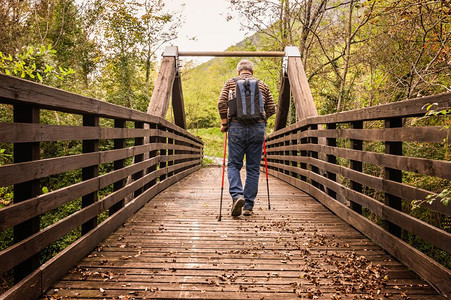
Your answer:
<point x="245" y="139"/>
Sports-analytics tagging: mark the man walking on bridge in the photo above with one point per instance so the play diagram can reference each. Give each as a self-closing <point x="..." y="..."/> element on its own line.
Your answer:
<point x="244" y="105"/>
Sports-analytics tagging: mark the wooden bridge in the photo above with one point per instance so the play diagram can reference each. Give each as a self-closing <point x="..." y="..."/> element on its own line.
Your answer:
<point x="145" y="212"/>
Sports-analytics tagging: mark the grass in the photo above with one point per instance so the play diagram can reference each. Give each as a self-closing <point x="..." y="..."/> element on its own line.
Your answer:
<point x="213" y="140"/>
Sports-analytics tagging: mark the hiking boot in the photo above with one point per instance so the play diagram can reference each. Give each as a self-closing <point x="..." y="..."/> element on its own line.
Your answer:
<point x="247" y="212"/>
<point x="237" y="206"/>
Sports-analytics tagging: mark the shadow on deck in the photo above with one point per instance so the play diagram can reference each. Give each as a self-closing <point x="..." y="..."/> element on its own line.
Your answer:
<point x="174" y="247"/>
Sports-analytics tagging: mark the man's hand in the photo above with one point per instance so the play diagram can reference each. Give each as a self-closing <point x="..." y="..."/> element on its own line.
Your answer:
<point x="225" y="128"/>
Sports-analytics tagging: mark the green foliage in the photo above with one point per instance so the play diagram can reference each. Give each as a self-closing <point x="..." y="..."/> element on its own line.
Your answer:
<point x="213" y="140"/>
<point x="444" y="197"/>
<point x="202" y="85"/>
<point x="54" y="216"/>
<point x="445" y="116"/>
<point x="35" y="65"/>
<point x="6" y="192"/>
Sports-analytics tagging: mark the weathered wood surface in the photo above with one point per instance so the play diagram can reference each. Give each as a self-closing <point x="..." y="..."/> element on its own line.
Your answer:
<point x="303" y="99"/>
<point x="175" y="248"/>
<point x="159" y="103"/>
<point x="283" y="105"/>
<point x="438" y="168"/>
<point x="406" y="108"/>
<point x="178" y="104"/>
<point x="424" y="265"/>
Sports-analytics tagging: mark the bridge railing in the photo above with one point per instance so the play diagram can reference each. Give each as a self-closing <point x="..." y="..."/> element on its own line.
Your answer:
<point x="355" y="163"/>
<point x="119" y="159"/>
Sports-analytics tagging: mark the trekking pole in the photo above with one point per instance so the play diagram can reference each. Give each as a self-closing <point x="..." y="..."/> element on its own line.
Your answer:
<point x="266" y="171"/>
<point x="222" y="182"/>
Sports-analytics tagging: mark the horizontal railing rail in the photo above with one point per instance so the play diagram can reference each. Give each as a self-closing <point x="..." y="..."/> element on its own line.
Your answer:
<point x="368" y="165"/>
<point x="120" y="159"/>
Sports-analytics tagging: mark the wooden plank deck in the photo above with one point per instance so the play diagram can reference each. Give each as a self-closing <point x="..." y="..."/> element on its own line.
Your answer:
<point x="175" y="248"/>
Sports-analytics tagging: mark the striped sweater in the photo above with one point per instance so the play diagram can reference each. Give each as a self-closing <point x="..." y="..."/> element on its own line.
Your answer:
<point x="229" y="88"/>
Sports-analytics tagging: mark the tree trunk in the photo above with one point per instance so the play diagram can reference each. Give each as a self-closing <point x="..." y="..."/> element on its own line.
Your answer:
<point x="346" y="58"/>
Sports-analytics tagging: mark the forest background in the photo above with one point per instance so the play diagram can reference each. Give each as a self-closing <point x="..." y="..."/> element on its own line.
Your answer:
<point x="356" y="53"/>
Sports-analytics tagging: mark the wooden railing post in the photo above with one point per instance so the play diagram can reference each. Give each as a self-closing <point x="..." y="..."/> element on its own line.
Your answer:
<point x="178" y="105"/>
<point x="332" y="142"/>
<point x="303" y="153"/>
<point x="356" y="165"/>
<point x="314" y="154"/>
<point x="153" y="153"/>
<point x="22" y="191"/>
<point x="90" y="172"/>
<point x="163" y="153"/>
<point x="294" y="153"/>
<point x="118" y="164"/>
<point x="285" y="154"/>
<point x="138" y="158"/>
<point x="283" y="105"/>
<point x="395" y="202"/>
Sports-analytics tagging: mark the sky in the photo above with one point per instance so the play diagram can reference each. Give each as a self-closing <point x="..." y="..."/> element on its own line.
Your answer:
<point x="205" y="27"/>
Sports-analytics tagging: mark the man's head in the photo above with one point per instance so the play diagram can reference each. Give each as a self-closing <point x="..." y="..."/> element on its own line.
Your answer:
<point x="246" y="66"/>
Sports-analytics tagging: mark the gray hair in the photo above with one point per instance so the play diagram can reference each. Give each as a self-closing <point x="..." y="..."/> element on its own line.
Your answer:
<point x="245" y="65"/>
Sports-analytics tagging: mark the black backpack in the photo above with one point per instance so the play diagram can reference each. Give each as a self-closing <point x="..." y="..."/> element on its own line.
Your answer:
<point x="247" y="105"/>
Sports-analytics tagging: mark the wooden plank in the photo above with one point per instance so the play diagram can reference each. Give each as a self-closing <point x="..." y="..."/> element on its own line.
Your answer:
<point x="16" y="173"/>
<point x="411" y="164"/>
<point x="159" y="103"/>
<point x="178" y="137"/>
<point x="16" y="213"/>
<point x="178" y="105"/>
<point x="14" y="90"/>
<point x="33" y="283"/>
<point x="60" y="264"/>
<point x="25" y="190"/>
<point x="175" y="245"/>
<point x="406" y="108"/>
<point x="283" y="105"/>
<point x="435" y="236"/>
<point x="401" y="109"/>
<point x="23" y="250"/>
<point x="404" y="191"/>
<point x="432" y="134"/>
<point x="20" y="172"/>
<point x="426" y="267"/>
<point x="303" y="99"/>
<point x="23" y="133"/>
<point x="413" y="134"/>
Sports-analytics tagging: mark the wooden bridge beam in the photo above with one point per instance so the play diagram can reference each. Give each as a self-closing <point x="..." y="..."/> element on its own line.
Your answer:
<point x="159" y="102"/>
<point x="283" y="106"/>
<point x="178" y="105"/>
<point x="167" y="86"/>
<point x="300" y="89"/>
